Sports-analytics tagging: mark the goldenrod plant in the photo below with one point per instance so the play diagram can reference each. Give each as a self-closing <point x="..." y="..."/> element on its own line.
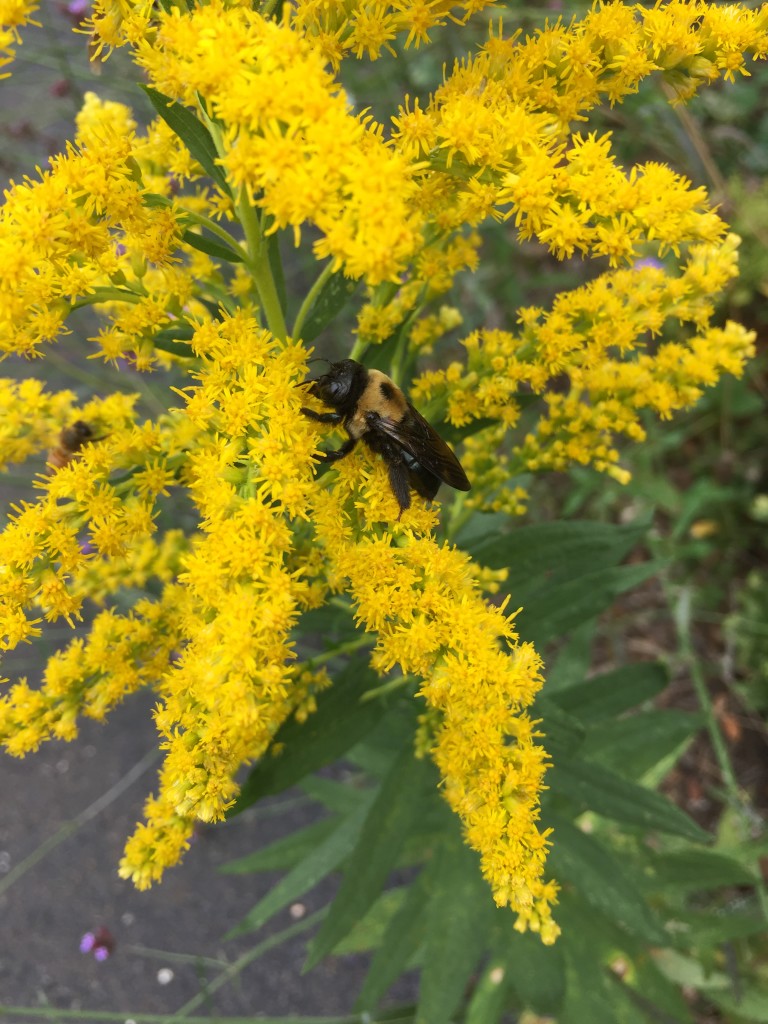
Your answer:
<point x="174" y="233"/>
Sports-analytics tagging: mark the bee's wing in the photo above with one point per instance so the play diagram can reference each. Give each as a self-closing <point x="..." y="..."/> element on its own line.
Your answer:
<point x="419" y="440"/>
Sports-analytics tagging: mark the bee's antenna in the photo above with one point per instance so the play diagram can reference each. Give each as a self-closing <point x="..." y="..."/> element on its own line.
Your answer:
<point x="319" y="359"/>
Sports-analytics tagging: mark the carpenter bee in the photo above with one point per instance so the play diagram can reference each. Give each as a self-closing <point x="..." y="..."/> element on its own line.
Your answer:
<point x="71" y="440"/>
<point x="373" y="408"/>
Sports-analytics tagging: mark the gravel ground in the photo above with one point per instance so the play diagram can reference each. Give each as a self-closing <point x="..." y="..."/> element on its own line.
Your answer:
<point x="166" y="938"/>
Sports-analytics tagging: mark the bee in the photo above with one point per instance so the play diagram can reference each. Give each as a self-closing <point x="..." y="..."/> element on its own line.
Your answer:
<point x="372" y="408"/>
<point x="71" y="440"/>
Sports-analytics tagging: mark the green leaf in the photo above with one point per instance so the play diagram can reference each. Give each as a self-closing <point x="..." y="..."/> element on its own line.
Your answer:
<point x="459" y="916"/>
<point x="694" y="870"/>
<point x="656" y="991"/>
<point x="394" y="812"/>
<point x="751" y="1006"/>
<point x="192" y="133"/>
<point x="337" y="797"/>
<point x="597" y="788"/>
<point x="546" y="554"/>
<point x="591" y="996"/>
<point x="153" y="199"/>
<point x="339" y="722"/>
<point x="563" y="734"/>
<point x="330" y="300"/>
<point x="707" y="929"/>
<point x="633" y="746"/>
<point x="573" y="660"/>
<point x="283" y="853"/>
<point x="600" y="879"/>
<point x="323" y="859"/>
<point x="211" y="247"/>
<point x="368" y="933"/>
<point x="549" y="614"/>
<point x="608" y="695"/>
<point x="489" y="998"/>
<point x="536" y="972"/>
<point x="399" y="943"/>
<point x="176" y="340"/>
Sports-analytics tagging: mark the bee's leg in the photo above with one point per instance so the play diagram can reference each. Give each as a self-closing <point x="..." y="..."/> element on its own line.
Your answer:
<point x="398" y="481"/>
<point x="322" y="417"/>
<point x="345" y="449"/>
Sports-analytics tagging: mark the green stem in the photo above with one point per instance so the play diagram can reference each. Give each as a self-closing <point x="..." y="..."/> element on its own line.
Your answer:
<point x="346" y="648"/>
<point x="309" y="301"/>
<point x="70" y="827"/>
<point x="388" y="687"/>
<point x="734" y="792"/>
<point x="107" y="295"/>
<point x="682" y="617"/>
<point x="359" y="349"/>
<point x="258" y="264"/>
<point x="257" y="255"/>
<point x="248" y="957"/>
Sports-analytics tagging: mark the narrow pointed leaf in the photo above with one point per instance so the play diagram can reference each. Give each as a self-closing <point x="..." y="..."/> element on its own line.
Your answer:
<point x="192" y="133"/>
<point x="599" y="789"/>
<point x="600" y="879"/>
<point x="545" y="554"/>
<point x="558" y="609"/>
<point x="536" y="972"/>
<point x="459" y="916"/>
<point x="633" y="746"/>
<point x="563" y="733"/>
<point x="340" y="721"/>
<point x="283" y="853"/>
<point x="608" y="695"/>
<point x="211" y="247"/>
<point x="395" y="811"/>
<point x="331" y="299"/>
<point x="401" y="939"/>
<point x="321" y="861"/>
<point x="489" y="998"/>
<point x="694" y="870"/>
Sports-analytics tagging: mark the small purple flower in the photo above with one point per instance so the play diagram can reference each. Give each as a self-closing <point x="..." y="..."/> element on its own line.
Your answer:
<point x="101" y="943"/>
<point x="648" y="261"/>
<point x="76" y="10"/>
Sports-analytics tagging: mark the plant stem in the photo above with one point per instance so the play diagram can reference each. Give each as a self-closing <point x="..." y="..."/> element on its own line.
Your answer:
<point x="735" y="793"/>
<point x="107" y="295"/>
<point x="346" y="648"/>
<point x="258" y="264"/>
<point x="70" y="827"/>
<point x="248" y="957"/>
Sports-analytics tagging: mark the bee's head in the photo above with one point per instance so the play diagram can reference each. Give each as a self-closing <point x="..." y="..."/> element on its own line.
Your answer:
<point x="335" y="386"/>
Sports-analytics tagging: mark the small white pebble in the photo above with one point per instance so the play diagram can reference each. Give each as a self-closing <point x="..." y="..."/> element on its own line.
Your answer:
<point x="127" y="918"/>
<point x="497" y="975"/>
<point x="297" y="911"/>
<point x="164" y="976"/>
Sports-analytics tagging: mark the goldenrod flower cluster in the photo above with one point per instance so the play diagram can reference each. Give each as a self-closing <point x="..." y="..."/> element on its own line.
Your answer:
<point x="14" y="14"/>
<point x="421" y="600"/>
<point x="125" y="221"/>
